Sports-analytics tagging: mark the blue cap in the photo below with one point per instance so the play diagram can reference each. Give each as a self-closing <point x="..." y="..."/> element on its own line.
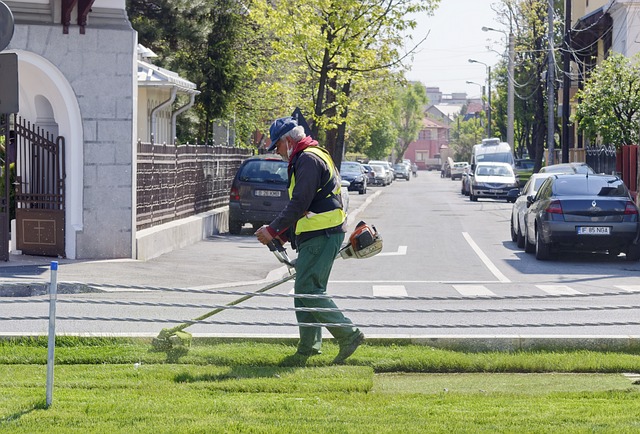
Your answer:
<point x="279" y="128"/>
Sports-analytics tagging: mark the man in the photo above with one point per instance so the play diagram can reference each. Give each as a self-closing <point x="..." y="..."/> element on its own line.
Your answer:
<point x="314" y="220"/>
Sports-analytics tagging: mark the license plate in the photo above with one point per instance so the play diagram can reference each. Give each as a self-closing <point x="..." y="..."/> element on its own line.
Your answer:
<point x="268" y="193"/>
<point x="493" y="190"/>
<point x="594" y="230"/>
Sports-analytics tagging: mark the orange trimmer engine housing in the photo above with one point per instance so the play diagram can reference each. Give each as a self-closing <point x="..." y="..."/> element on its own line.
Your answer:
<point x="364" y="242"/>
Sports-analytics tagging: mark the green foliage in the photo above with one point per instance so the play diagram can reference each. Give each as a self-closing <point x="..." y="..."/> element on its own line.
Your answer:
<point x="408" y="115"/>
<point x="339" y="56"/>
<point x="207" y="42"/>
<point x="608" y="111"/>
<point x="466" y="134"/>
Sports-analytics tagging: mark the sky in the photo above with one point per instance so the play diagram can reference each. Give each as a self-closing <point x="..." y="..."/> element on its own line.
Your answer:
<point x="455" y="36"/>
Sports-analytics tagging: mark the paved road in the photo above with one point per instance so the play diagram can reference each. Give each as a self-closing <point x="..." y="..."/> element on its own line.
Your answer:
<point x="448" y="269"/>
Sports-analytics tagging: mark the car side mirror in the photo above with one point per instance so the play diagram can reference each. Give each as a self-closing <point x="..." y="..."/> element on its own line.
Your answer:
<point x="530" y="199"/>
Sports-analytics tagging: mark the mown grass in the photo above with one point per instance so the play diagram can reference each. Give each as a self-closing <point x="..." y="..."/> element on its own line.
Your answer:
<point x="118" y="385"/>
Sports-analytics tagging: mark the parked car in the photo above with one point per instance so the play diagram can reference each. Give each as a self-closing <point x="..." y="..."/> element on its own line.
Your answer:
<point x="494" y="181"/>
<point x="389" y="168"/>
<point x="583" y="168"/>
<point x="401" y="170"/>
<point x="457" y="168"/>
<point x="465" y="180"/>
<point x="355" y="174"/>
<point x="524" y="169"/>
<point x="371" y="174"/>
<point x="582" y="212"/>
<point x="383" y="174"/>
<point x="519" y="208"/>
<point x="258" y="192"/>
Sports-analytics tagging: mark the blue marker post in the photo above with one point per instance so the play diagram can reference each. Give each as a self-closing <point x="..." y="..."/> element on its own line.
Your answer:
<point x="53" y="294"/>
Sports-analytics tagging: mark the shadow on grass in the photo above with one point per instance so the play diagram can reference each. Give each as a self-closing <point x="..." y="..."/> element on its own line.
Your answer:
<point x="173" y="353"/>
<point x="39" y="405"/>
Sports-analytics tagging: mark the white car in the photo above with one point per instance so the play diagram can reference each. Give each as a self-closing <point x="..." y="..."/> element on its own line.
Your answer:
<point x="457" y="168"/>
<point x="494" y="181"/>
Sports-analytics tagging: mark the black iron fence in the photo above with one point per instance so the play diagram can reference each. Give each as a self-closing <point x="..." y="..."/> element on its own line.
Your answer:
<point x="177" y="181"/>
<point x="602" y="159"/>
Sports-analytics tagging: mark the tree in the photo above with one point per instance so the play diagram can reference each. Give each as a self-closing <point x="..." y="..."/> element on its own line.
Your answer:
<point x="209" y="42"/>
<point x="408" y="116"/>
<point x="465" y="134"/>
<point x="529" y="21"/>
<point x="609" y="105"/>
<point x="332" y="49"/>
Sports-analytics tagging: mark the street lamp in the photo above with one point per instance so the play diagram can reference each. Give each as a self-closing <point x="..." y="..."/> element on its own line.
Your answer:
<point x="510" y="84"/>
<point x="483" y="104"/>
<point x="489" y="93"/>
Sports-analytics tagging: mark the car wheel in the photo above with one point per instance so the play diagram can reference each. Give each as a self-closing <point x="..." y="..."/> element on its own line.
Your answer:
<point x="514" y="235"/>
<point x="519" y="237"/>
<point x="633" y="252"/>
<point x="542" y="248"/>
<point x="363" y="190"/>
<point x="235" y="227"/>
<point x="472" y="198"/>
<point x="528" y="247"/>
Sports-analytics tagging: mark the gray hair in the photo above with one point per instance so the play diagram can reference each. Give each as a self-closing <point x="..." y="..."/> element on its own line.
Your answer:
<point x="296" y="133"/>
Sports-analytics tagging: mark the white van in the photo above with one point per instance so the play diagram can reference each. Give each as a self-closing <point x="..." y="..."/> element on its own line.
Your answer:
<point x="492" y="150"/>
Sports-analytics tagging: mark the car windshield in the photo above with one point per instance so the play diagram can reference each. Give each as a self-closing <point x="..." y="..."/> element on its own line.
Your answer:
<point x="269" y="171"/>
<point x="497" y="157"/>
<point x="350" y="168"/>
<point x="590" y="186"/>
<point x="494" y="171"/>
<point x="400" y="167"/>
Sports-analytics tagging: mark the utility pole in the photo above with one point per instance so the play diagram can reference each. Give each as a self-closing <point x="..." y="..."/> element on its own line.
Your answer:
<point x="550" y="89"/>
<point x="511" y="91"/>
<point x="566" y="82"/>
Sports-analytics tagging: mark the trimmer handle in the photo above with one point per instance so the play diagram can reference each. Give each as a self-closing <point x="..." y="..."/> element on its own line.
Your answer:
<point x="276" y="246"/>
<point x="280" y="252"/>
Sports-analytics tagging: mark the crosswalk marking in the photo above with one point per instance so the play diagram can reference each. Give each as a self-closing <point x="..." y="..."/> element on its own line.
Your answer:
<point x="472" y="290"/>
<point x="557" y="289"/>
<point x="389" y="290"/>
<point x="629" y="288"/>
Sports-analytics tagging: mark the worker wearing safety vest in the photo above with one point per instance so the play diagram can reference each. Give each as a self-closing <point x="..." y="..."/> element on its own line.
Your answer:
<point x="315" y="223"/>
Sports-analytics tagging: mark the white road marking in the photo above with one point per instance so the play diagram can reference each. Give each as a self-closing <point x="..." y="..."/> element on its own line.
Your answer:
<point x="487" y="262"/>
<point x="557" y="289"/>
<point x="473" y="290"/>
<point x="402" y="250"/>
<point x="389" y="290"/>
<point x="630" y="288"/>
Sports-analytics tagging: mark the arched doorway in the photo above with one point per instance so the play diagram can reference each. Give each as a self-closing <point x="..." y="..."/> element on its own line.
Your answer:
<point x="48" y="101"/>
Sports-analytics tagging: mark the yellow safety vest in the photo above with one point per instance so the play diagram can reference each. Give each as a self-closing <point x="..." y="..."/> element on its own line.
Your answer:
<point x="317" y="221"/>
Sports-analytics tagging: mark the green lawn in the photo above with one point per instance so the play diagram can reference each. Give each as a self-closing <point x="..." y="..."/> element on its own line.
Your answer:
<point x="120" y="386"/>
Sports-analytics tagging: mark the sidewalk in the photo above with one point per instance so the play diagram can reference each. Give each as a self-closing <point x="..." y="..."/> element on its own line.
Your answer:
<point x="213" y="262"/>
<point x="218" y="262"/>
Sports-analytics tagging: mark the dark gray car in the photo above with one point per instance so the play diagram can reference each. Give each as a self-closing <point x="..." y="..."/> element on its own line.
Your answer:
<point x="258" y="192"/>
<point x="582" y="212"/>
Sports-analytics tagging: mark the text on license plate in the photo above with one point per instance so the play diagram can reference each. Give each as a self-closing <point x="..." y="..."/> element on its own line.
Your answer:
<point x="594" y="230"/>
<point x="268" y="193"/>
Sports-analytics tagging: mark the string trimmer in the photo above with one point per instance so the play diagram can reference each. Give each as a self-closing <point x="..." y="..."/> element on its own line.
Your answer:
<point x="364" y="242"/>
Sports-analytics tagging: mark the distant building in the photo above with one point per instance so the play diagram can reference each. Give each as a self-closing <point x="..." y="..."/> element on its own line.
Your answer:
<point x="433" y="137"/>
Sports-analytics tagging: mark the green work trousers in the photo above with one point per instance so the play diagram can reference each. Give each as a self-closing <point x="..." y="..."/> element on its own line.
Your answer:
<point x="313" y="266"/>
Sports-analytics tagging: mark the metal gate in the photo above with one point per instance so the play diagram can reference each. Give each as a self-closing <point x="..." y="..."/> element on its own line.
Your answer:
<point x="39" y="190"/>
<point x="4" y="192"/>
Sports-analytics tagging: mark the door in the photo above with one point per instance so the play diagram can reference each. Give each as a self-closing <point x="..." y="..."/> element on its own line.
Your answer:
<point x="39" y="190"/>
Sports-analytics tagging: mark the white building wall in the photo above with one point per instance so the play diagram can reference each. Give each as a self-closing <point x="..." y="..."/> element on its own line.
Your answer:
<point x="99" y="68"/>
